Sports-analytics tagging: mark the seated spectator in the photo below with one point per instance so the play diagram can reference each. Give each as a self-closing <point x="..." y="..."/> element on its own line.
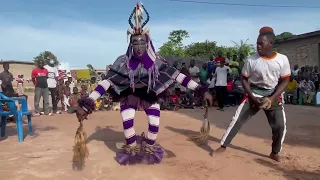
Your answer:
<point x="291" y="90"/>
<point x="84" y="90"/>
<point x="73" y="100"/>
<point x="307" y="89"/>
<point x="238" y="90"/>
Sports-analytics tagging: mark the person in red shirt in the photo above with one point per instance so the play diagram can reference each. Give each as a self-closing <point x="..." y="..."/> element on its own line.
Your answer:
<point x="231" y="98"/>
<point x="39" y="77"/>
<point x="219" y="58"/>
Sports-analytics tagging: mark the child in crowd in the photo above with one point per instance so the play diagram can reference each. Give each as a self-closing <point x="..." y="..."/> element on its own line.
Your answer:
<point x="72" y="85"/>
<point x="84" y="90"/>
<point x="93" y="84"/>
<point x="20" y="88"/>
<point x="66" y="95"/>
<point x="73" y="100"/>
<point x="60" y="92"/>
<point x="212" y="81"/>
<point x="230" y="98"/>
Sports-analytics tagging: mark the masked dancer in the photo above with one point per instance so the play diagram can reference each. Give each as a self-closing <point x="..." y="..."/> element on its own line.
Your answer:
<point x="137" y="79"/>
<point x="260" y="79"/>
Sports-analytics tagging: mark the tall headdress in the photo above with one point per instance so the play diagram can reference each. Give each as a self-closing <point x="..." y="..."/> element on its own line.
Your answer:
<point x="149" y="57"/>
<point x="137" y="28"/>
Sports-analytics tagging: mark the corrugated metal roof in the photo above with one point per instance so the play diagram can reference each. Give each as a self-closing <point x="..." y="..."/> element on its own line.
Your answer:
<point x="16" y="62"/>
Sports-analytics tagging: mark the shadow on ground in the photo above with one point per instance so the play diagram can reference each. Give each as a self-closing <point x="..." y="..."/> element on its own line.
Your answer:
<point x="289" y="172"/>
<point x="205" y="145"/>
<point x="302" y="124"/>
<point x="11" y="130"/>
<point x="111" y="138"/>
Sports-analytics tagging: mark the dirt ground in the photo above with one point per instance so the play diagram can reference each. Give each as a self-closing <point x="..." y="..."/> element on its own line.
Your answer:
<point x="48" y="154"/>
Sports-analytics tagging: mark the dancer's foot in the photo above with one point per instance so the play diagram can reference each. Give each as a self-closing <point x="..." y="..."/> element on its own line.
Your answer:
<point x="275" y="157"/>
<point x="221" y="150"/>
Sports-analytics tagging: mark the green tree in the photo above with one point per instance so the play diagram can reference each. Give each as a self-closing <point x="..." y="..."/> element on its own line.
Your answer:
<point x="201" y="49"/>
<point x="45" y="56"/>
<point x="244" y="48"/>
<point x="91" y="70"/>
<point x="284" y="35"/>
<point x="174" y="46"/>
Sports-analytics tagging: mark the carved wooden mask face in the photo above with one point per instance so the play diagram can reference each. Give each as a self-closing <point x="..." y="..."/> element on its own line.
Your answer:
<point x="139" y="44"/>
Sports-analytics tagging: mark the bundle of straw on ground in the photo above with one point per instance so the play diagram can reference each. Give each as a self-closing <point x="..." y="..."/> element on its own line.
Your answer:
<point x="204" y="130"/>
<point x="80" y="149"/>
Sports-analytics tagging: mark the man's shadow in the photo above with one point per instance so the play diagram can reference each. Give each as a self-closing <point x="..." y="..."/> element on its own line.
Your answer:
<point x="114" y="139"/>
<point x="290" y="173"/>
<point x="188" y="133"/>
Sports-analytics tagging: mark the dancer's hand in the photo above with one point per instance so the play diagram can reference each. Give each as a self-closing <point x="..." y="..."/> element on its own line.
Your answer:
<point x="81" y="114"/>
<point x="257" y="101"/>
<point x="208" y="98"/>
<point x="266" y="104"/>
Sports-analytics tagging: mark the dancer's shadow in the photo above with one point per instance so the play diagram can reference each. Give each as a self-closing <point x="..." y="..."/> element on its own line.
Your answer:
<point x="290" y="173"/>
<point x="114" y="139"/>
<point x="205" y="146"/>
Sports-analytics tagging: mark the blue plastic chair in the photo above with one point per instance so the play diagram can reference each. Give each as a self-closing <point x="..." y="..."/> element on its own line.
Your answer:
<point x="17" y="113"/>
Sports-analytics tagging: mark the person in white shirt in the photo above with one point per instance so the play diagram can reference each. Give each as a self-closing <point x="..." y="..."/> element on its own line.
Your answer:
<point x="72" y="85"/>
<point x="52" y="80"/>
<point x="221" y="73"/>
<point x="260" y="80"/>
<point x="194" y="73"/>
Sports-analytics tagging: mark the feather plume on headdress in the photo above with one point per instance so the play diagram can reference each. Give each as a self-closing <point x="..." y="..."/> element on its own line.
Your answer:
<point x="137" y="28"/>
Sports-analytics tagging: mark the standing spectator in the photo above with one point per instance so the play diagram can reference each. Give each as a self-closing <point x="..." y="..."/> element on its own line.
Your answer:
<point x="20" y="88"/>
<point x="39" y="78"/>
<point x="219" y="58"/>
<point x="184" y="70"/>
<point x="60" y="93"/>
<point x="6" y="79"/>
<point x="308" y="89"/>
<point x="194" y="72"/>
<point x="175" y="64"/>
<point x="241" y="62"/>
<point x="66" y="96"/>
<point x="234" y="65"/>
<point x="316" y="77"/>
<point x="307" y="72"/>
<point x="230" y="87"/>
<point x="295" y="70"/>
<point x="211" y="81"/>
<point x="292" y="89"/>
<point x="204" y="73"/>
<point x="221" y="74"/>
<point x="72" y="85"/>
<point x="227" y="59"/>
<point x="52" y="81"/>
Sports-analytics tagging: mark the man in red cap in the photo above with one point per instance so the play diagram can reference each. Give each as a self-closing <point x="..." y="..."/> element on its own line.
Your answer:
<point x="260" y="80"/>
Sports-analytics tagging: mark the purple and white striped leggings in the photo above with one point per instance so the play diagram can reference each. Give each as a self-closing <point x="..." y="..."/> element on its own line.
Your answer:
<point x="127" y="114"/>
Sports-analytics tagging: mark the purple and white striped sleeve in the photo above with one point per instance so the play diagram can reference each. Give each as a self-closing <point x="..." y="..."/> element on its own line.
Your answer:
<point x="100" y="90"/>
<point x="186" y="81"/>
